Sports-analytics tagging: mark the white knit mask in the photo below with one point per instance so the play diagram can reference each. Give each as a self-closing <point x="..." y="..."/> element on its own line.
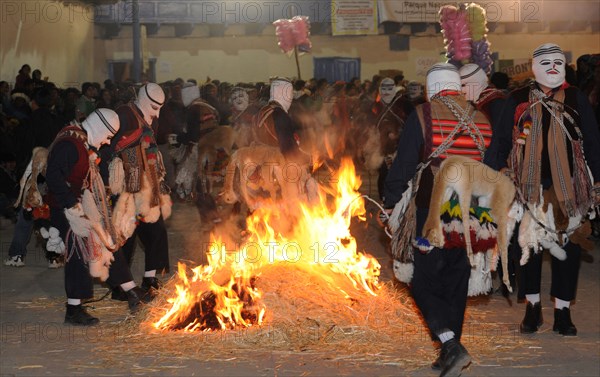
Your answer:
<point x="239" y="99"/>
<point x="189" y="93"/>
<point x="474" y="81"/>
<point x="440" y="77"/>
<point x="549" y="65"/>
<point x="282" y="92"/>
<point x="387" y="90"/>
<point x="101" y="125"/>
<point x="150" y="99"/>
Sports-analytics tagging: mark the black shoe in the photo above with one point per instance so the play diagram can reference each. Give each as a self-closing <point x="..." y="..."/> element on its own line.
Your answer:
<point x="437" y="364"/>
<point x="533" y="318"/>
<point x="118" y="294"/>
<point x="562" y="322"/>
<point x="454" y="357"/>
<point x="151" y="283"/>
<point x="77" y="316"/>
<point x="136" y="297"/>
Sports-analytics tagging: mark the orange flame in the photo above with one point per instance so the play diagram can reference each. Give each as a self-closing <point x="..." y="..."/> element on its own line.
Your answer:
<point x="317" y="236"/>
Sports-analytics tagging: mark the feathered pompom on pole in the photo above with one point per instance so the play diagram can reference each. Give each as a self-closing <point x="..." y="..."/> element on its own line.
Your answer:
<point x="465" y="35"/>
<point x="480" y="51"/>
<point x="293" y="36"/>
<point x="457" y="37"/>
<point x="477" y="21"/>
<point x="293" y="33"/>
<point x="481" y="55"/>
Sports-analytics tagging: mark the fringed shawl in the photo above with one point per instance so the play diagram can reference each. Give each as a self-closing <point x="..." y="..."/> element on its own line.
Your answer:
<point x="572" y="188"/>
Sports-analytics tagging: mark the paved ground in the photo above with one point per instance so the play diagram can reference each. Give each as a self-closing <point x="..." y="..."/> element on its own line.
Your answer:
<point x="34" y="341"/>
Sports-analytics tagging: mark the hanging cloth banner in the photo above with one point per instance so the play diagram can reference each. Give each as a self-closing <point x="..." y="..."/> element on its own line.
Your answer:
<point x="496" y="10"/>
<point x="354" y="17"/>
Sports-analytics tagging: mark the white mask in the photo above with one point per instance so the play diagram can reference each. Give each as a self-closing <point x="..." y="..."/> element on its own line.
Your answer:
<point x="549" y="65"/>
<point x="189" y="93"/>
<point x="440" y="77"/>
<point x="239" y="99"/>
<point x="101" y="125"/>
<point x="150" y="99"/>
<point x="415" y="90"/>
<point x="474" y="81"/>
<point x="387" y="90"/>
<point x="282" y="92"/>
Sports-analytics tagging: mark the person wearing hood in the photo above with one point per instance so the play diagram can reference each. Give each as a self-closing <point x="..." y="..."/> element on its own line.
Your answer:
<point x="548" y="141"/>
<point x="84" y="225"/>
<point x="274" y="125"/>
<point x="388" y="114"/>
<point x="136" y="157"/>
<point x="242" y="115"/>
<point x="440" y="277"/>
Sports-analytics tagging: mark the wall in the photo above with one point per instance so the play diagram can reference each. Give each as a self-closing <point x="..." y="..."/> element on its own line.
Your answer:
<point x="62" y="41"/>
<point x="237" y="58"/>
<point x="50" y="36"/>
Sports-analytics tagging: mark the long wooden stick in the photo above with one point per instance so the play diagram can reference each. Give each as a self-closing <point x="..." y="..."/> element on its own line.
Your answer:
<point x="297" y="62"/>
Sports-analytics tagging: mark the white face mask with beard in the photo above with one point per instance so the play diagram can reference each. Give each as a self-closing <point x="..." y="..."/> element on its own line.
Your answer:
<point x="101" y="125"/>
<point x="387" y="90"/>
<point x="549" y="65"/>
<point x="150" y="99"/>
<point x="239" y="100"/>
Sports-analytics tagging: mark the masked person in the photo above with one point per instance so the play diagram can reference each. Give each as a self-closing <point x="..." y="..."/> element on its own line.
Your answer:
<point x="79" y="210"/>
<point x="490" y="101"/>
<point x="388" y="113"/>
<point x="274" y="126"/>
<point x="549" y="140"/>
<point x="440" y="277"/>
<point x="415" y="93"/>
<point x="242" y="115"/>
<point x="137" y="176"/>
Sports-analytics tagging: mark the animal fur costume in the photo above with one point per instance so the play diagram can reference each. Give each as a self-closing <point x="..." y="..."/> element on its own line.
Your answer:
<point x="90" y="237"/>
<point x="552" y="215"/>
<point x="136" y="171"/>
<point x="469" y="136"/>
<point x="29" y="192"/>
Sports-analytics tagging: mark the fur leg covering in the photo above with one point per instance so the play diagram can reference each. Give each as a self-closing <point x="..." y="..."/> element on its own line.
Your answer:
<point x="99" y="268"/>
<point x="116" y="176"/>
<point x="403" y="271"/>
<point x="480" y="281"/>
<point x="124" y="216"/>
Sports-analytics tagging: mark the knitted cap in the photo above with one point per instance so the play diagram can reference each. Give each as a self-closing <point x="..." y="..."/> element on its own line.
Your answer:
<point x="473" y="79"/>
<point x="442" y="76"/>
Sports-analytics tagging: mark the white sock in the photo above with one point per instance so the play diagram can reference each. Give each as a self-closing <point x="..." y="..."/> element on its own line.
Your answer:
<point x="128" y="286"/>
<point x="446" y="336"/>
<point x="73" y="301"/>
<point x="533" y="299"/>
<point x="150" y="274"/>
<point x="560" y="304"/>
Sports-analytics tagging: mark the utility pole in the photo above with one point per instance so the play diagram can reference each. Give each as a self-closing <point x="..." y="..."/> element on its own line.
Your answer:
<point x="137" y="61"/>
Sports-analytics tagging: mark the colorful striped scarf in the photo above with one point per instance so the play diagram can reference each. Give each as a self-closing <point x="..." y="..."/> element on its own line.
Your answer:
<point x="572" y="187"/>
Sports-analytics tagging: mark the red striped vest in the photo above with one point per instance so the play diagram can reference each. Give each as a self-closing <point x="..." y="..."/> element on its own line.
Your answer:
<point x="438" y="122"/>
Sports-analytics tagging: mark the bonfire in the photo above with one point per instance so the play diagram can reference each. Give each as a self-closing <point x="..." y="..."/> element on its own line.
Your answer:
<point x="314" y="243"/>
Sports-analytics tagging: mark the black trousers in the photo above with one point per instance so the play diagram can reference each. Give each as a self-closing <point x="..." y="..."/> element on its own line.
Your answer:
<point x="79" y="284"/>
<point x="383" y="172"/>
<point x="564" y="274"/>
<point x="119" y="271"/>
<point x="153" y="237"/>
<point x="439" y="287"/>
<point x="440" y="284"/>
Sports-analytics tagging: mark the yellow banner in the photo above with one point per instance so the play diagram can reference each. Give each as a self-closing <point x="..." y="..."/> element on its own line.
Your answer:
<point x="354" y="17"/>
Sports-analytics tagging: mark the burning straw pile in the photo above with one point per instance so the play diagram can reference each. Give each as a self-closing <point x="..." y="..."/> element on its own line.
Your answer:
<point x="319" y="302"/>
